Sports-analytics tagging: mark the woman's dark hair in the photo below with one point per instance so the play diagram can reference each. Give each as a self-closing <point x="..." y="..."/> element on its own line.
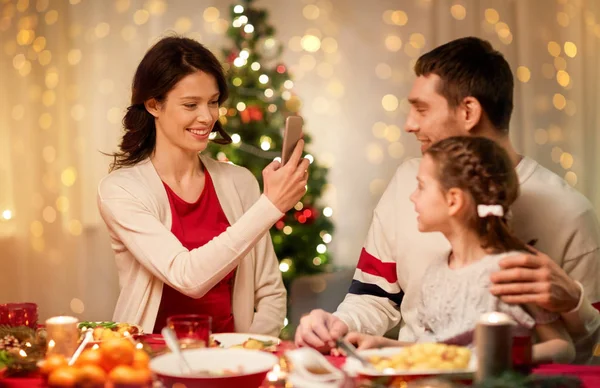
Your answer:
<point x="483" y="169"/>
<point x="163" y="66"/>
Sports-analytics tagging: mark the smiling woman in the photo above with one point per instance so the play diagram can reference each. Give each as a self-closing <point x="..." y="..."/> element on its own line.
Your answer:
<point x="192" y="78"/>
<point x="190" y="234"/>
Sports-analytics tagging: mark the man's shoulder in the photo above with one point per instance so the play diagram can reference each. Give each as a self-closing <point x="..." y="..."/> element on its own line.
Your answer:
<point x="549" y="188"/>
<point x="402" y="183"/>
<point x="409" y="167"/>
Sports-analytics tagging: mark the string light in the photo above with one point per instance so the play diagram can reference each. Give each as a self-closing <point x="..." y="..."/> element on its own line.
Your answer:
<point x="239" y="62"/>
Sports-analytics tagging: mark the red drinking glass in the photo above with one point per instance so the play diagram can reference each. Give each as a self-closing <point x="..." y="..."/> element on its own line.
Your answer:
<point x="192" y="330"/>
<point x="522" y="350"/>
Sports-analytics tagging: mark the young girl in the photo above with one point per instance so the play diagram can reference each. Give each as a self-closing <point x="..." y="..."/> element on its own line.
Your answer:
<point x="190" y="234"/>
<point x="465" y="188"/>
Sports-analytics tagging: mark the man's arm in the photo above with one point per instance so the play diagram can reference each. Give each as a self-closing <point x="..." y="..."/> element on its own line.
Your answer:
<point x="373" y="301"/>
<point x="372" y="305"/>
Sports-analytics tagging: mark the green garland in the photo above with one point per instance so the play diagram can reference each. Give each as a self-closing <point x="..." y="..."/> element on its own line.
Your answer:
<point x="31" y="342"/>
<point x="517" y="380"/>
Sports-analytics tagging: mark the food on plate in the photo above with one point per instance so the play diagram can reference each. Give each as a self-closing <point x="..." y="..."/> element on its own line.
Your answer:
<point x="117" y="352"/>
<point x="217" y="373"/>
<point x="107" y="330"/>
<point x="424" y="357"/>
<point x="127" y="375"/>
<point x="116" y="361"/>
<point x="89" y="357"/>
<point x="250" y="343"/>
<point x="65" y="376"/>
<point x="91" y="376"/>
<point x="51" y="363"/>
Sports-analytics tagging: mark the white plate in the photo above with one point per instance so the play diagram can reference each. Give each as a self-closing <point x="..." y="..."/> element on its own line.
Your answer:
<point x="228" y="340"/>
<point x="353" y="367"/>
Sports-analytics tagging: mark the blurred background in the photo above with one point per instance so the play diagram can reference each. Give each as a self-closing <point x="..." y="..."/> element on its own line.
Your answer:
<point x="65" y="74"/>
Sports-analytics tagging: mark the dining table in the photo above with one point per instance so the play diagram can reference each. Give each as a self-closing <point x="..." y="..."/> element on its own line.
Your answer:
<point x="589" y="375"/>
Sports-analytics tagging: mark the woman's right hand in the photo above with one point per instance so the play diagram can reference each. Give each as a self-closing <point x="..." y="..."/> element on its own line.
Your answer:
<point x="285" y="185"/>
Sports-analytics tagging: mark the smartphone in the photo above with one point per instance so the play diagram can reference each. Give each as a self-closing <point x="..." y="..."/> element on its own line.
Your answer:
<point x="291" y="135"/>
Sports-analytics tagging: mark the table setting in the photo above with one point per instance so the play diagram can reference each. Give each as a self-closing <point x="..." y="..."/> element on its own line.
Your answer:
<point x="64" y="352"/>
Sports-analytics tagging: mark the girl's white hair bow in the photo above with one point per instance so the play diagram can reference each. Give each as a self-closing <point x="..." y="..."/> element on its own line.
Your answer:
<point x="490" y="210"/>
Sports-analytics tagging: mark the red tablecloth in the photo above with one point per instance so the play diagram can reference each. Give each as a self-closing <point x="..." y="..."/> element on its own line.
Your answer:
<point x="589" y="375"/>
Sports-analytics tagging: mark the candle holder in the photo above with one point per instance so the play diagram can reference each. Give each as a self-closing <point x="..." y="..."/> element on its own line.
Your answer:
<point x="62" y="335"/>
<point x="19" y="314"/>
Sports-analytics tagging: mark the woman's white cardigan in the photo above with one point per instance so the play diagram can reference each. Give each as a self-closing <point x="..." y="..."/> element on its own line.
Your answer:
<point x="134" y="205"/>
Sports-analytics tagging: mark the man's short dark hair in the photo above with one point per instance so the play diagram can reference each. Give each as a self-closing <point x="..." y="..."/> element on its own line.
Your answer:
<point x="470" y="67"/>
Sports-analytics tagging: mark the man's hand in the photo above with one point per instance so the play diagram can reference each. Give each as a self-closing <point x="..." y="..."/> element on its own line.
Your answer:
<point x="536" y="279"/>
<point x="320" y="330"/>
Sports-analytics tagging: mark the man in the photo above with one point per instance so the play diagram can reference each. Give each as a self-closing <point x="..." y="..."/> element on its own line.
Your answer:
<point x="465" y="87"/>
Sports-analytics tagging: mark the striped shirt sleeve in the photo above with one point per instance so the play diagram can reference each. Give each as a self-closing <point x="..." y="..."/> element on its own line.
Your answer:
<point x="376" y="278"/>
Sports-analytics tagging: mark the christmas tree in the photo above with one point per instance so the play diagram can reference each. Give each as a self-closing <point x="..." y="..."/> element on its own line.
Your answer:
<point x="261" y="98"/>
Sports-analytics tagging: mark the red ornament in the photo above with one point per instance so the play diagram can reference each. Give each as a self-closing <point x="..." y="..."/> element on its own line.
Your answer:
<point x="232" y="56"/>
<point x="306" y="216"/>
<point x="281" y="69"/>
<point x="281" y="223"/>
<point x="251" y="113"/>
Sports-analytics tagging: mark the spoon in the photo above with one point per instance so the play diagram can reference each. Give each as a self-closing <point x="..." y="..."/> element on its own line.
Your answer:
<point x="89" y="336"/>
<point x="350" y="350"/>
<point x="173" y="345"/>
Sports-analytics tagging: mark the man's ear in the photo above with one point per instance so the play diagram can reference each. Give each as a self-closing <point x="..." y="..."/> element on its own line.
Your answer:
<point x="471" y="112"/>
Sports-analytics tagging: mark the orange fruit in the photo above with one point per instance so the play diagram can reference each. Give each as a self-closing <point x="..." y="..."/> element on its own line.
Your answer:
<point x="117" y="352"/>
<point x="51" y="363"/>
<point x="126" y="375"/>
<point x="65" y="376"/>
<point x="91" y="376"/>
<point x="141" y="359"/>
<point x="89" y="357"/>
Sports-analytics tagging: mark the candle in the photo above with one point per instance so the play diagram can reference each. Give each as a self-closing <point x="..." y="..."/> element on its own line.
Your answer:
<point x="19" y="314"/>
<point x="62" y="335"/>
<point x="493" y="345"/>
